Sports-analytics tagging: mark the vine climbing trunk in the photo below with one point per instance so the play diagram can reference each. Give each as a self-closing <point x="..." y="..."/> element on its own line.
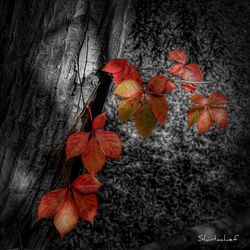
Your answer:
<point x="51" y="52"/>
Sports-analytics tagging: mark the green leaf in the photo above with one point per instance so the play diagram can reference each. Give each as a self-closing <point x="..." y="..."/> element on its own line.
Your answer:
<point x="145" y="120"/>
<point x="127" y="108"/>
<point x="194" y="115"/>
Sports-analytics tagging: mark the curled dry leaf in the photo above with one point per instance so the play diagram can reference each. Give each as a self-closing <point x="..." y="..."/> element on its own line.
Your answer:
<point x="92" y="146"/>
<point x="66" y="209"/>
<point x="207" y="111"/>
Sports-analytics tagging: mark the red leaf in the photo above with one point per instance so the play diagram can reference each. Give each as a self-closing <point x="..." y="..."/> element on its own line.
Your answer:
<point x="206" y="112"/>
<point x="115" y="66"/>
<point x="219" y="116"/>
<point x="157" y="84"/>
<point x="66" y="218"/>
<point x="169" y="87"/>
<point x="122" y="70"/>
<point x="176" y="69"/>
<point x="178" y="56"/>
<point x="160" y="85"/>
<point x="110" y="143"/>
<point x="93" y="157"/>
<point x="189" y="87"/>
<point x="205" y="122"/>
<point x="76" y="144"/>
<point x="217" y="98"/>
<point x="192" y="72"/>
<point x="199" y="99"/>
<point x="87" y="205"/>
<point x="160" y="107"/>
<point x="51" y="203"/>
<point x="86" y="184"/>
<point x="133" y="74"/>
<point x="99" y="121"/>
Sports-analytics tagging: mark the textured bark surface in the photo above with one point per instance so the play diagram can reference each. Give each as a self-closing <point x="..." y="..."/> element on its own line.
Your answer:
<point x="43" y="45"/>
<point x="161" y="186"/>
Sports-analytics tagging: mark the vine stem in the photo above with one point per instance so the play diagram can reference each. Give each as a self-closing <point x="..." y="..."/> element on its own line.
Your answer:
<point x="176" y="81"/>
<point x="90" y="115"/>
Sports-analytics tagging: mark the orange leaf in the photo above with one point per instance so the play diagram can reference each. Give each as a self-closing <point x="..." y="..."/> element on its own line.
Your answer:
<point x="145" y="120"/>
<point x="66" y="218"/>
<point x="51" y="203"/>
<point x="176" y="69"/>
<point x="192" y="72"/>
<point x="160" y="107"/>
<point x="205" y="122"/>
<point x="217" y="98"/>
<point x="219" y="116"/>
<point x="93" y="157"/>
<point x="194" y="115"/>
<point x="128" y="88"/>
<point x="110" y="143"/>
<point x="86" y="183"/>
<point x="127" y="108"/>
<point x="178" y="56"/>
<point x="87" y="205"/>
<point x="189" y="87"/>
<point x="76" y="144"/>
<point x="199" y="99"/>
<point x="99" y="121"/>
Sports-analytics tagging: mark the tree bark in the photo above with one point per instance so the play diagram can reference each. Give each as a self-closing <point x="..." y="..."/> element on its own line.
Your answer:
<point x="45" y="47"/>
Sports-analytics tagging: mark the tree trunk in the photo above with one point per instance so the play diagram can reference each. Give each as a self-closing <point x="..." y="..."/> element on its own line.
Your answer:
<point x="44" y="45"/>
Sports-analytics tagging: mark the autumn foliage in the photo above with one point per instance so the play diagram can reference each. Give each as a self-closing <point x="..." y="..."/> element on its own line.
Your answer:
<point x="66" y="209"/>
<point x="147" y="104"/>
<point x="95" y="146"/>
<point x="207" y="111"/>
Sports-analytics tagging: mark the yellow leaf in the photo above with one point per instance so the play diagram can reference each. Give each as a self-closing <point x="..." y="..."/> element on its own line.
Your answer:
<point x="128" y="88"/>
